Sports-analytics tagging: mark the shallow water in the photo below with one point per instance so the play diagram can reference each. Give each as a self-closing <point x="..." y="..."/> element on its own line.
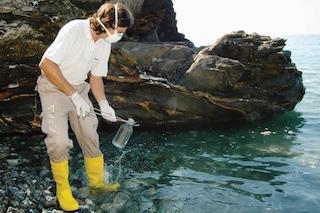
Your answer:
<point x="265" y="166"/>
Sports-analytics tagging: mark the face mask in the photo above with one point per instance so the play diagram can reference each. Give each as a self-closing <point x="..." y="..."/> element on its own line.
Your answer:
<point x="115" y="37"/>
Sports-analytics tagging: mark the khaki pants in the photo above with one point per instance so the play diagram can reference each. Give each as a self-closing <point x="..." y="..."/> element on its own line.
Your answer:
<point x="57" y="109"/>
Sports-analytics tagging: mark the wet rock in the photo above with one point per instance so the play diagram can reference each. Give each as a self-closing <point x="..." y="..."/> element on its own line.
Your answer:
<point x="85" y="209"/>
<point x="147" y="206"/>
<point x="131" y="185"/>
<point x="38" y="193"/>
<point x="151" y="191"/>
<point x="81" y="202"/>
<point x="50" y="202"/>
<point x="45" y="173"/>
<point x="12" y="190"/>
<point x="74" y="189"/>
<point x="13" y="162"/>
<point x="118" y="203"/>
<point x="19" y="196"/>
<point x="12" y="210"/>
<point x="28" y="192"/>
<point x="83" y="192"/>
<point x="15" y="203"/>
<point x="53" y="211"/>
<point x="4" y="153"/>
<point x="89" y="202"/>
<point x="26" y="203"/>
<point x="167" y="205"/>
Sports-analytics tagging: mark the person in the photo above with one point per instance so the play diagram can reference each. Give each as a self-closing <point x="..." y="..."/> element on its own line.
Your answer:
<point x="81" y="46"/>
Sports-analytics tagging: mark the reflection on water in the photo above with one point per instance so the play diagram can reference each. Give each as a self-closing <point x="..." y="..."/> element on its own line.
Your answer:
<point x="212" y="169"/>
<point x="230" y="169"/>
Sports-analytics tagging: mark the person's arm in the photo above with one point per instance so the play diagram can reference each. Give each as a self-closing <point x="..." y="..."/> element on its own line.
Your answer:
<point x="54" y="75"/>
<point x="97" y="88"/>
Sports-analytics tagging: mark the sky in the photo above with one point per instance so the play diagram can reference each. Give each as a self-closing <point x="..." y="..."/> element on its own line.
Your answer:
<point x="205" y="21"/>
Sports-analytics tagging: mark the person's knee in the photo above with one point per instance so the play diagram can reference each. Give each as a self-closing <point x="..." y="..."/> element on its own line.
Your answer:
<point x="58" y="147"/>
<point x="91" y="149"/>
<point x="91" y="146"/>
<point x="92" y="137"/>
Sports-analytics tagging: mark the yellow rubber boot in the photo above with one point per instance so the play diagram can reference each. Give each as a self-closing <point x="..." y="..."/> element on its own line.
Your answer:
<point x="60" y="173"/>
<point x="94" y="170"/>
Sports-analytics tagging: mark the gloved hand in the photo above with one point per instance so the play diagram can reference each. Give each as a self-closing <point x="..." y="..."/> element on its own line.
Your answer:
<point x="107" y="111"/>
<point x="82" y="107"/>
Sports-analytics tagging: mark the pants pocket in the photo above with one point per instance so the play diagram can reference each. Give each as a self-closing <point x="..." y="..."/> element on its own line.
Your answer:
<point x="48" y="117"/>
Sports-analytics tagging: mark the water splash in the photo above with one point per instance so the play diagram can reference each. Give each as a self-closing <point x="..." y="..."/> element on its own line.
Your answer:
<point x="107" y="169"/>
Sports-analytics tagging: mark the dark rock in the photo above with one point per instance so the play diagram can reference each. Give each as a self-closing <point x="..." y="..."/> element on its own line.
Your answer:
<point x="12" y="210"/>
<point x="251" y="70"/>
<point x="118" y="203"/>
<point x="83" y="192"/>
<point x="213" y="74"/>
<point x="156" y="16"/>
<point x="85" y="210"/>
<point x="38" y="193"/>
<point x="45" y="173"/>
<point x="15" y="203"/>
<point x="157" y="80"/>
<point x="166" y="60"/>
<point x="50" y="202"/>
<point x="12" y="190"/>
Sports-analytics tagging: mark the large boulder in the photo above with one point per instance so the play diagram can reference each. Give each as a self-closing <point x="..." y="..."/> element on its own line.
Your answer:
<point x="252" y="70"/>
<point x="155" y="75"/>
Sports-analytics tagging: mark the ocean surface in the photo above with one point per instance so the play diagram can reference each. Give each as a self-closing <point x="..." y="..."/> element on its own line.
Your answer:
<point x="265" y="166"/>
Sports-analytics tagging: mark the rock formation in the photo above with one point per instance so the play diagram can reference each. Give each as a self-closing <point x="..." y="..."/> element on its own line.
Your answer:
<point x="156" y="75"/>
<point x="252" y="73"/>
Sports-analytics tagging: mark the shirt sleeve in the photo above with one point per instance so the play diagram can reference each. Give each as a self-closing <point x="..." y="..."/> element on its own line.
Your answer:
<point x="101" y="69"/>
<point x="60" y="46"/>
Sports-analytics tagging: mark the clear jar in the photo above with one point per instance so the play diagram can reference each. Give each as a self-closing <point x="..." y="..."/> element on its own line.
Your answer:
<point x="123" y="134"/>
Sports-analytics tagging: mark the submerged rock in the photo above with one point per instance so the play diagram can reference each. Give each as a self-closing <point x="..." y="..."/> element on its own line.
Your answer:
<point x="156" y="75"/>
<point x="118" y="203"/>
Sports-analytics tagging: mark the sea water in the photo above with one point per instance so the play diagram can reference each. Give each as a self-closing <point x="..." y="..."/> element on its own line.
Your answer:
<point x="264" y="166"/>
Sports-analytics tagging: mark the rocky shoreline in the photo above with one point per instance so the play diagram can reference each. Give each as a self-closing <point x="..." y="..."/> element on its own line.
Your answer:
<point x="27" y="184"/>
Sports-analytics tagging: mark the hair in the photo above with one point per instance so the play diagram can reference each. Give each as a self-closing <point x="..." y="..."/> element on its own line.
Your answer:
<point x="106" y="13"/>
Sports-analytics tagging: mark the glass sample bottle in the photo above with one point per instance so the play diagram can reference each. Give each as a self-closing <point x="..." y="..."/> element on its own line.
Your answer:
<point x="123" y="134"/>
